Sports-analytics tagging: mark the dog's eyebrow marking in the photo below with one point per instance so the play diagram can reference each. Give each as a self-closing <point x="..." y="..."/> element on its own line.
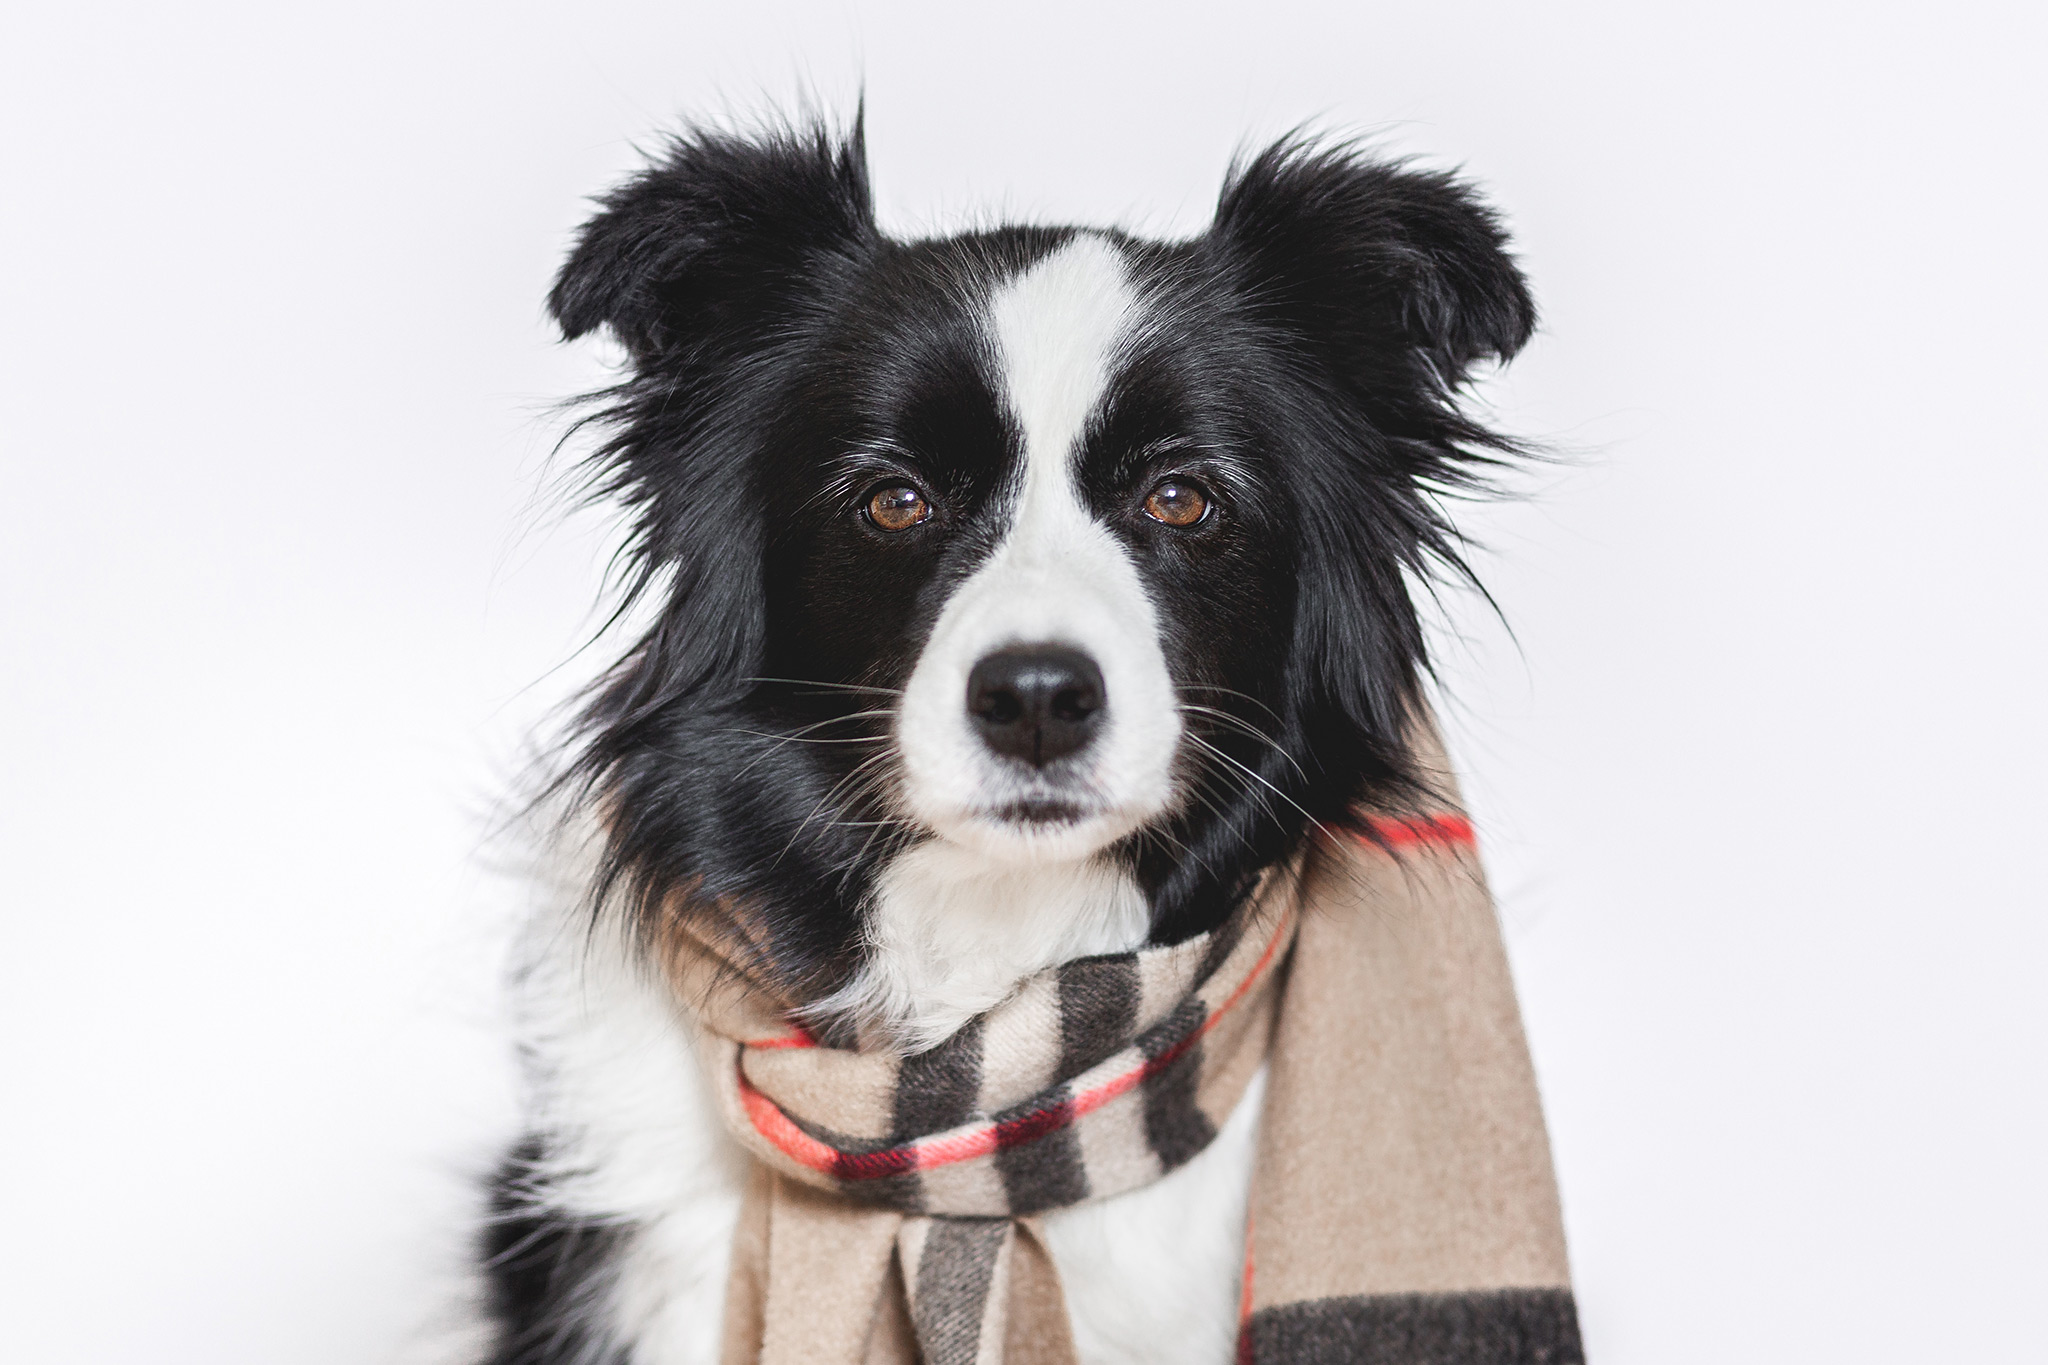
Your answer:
<point x="1059" y="328"/>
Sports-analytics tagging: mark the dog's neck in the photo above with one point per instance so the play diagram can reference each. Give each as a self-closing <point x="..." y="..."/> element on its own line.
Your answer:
<point x="950" y="934"/>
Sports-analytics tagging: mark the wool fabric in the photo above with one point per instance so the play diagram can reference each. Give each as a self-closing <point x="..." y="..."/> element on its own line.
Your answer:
<point x="1403" y="1209"/>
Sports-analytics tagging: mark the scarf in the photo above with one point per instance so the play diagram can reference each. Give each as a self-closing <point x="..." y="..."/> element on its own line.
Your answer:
<point x="1403" y="1209"/>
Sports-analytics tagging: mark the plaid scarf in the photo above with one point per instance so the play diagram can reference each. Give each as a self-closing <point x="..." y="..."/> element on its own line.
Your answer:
<point x="1403" y="1208"/>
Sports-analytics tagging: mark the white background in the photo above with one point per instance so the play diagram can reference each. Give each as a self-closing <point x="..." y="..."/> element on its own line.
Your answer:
<point x="1760" y="775"/>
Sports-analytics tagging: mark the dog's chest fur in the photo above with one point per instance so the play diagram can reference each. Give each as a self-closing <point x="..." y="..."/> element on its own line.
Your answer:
<point x="634" y="1144"/>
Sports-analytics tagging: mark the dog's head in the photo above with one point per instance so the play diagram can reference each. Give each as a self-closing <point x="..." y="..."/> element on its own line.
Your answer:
<point x="1042" y="546"/>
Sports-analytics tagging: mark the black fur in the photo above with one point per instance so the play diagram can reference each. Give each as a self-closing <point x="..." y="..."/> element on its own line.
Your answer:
<point x="542" y="1272"/>
<point x="785" y="355"/>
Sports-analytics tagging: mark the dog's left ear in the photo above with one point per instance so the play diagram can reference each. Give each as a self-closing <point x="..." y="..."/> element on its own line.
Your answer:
<point x="1385" y="286"/>
<point x="1373" y="266"/>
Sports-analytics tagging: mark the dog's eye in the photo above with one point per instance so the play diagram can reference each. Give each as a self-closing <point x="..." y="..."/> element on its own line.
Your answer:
<point x="1176" y="502"/>
<point x="898" y="507"/>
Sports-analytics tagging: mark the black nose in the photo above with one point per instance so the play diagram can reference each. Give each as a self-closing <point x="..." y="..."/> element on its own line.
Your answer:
<point x="1036" y="702"/>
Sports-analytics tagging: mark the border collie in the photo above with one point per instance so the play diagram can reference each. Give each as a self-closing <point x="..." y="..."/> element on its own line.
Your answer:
<point x="1016" y="596"/>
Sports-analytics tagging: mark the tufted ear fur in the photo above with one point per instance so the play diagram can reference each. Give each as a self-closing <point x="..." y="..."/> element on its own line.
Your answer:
<point x="1375" y="265"/>
<point x="1387" y="285"/>
<point x="684" y="254"/>
<point x="710" y="266"/>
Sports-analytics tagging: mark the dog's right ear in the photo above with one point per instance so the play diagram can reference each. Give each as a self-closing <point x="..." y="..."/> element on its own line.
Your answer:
<point x="705" y="266"/>
<point x="696" y="250"/>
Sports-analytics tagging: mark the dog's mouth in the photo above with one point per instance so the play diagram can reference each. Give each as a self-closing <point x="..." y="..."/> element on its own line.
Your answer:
<point x="1039" y="812"/>
<point x="1041" y="826"/>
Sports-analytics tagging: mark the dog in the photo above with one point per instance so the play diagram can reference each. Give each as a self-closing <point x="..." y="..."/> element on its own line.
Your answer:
<point x="1013" y="597"/>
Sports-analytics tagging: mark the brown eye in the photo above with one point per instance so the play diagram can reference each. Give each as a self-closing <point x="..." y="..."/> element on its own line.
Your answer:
<point x="1176" y="502"/>
<point x="898" y="507"/>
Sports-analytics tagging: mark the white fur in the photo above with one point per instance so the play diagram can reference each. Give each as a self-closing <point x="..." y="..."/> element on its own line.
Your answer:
<point x="634" y="1137"/>
<point x="952" y="933"/>
<point x="1154" y="1276"/>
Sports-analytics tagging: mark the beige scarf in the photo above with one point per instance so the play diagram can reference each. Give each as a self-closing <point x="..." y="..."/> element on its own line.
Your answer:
<point x="1402" y="1207"/>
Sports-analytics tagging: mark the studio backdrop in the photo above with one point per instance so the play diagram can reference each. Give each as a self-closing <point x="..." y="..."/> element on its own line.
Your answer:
<point x="1753" y="745"/>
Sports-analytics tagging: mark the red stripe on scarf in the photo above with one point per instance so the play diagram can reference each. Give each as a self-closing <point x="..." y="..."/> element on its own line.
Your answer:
<point x="1244" y="1301"/>
<point x="797" y="1039"/>
<point x="1408" y="831"/>
<point x="771" y="1123"/>
<point x="875" y="1165"/>
<point x="1016" y="1132"/>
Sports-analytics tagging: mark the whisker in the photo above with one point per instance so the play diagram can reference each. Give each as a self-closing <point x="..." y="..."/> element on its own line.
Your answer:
<point x="898" y="830"/>
<point x="802" y="739"/>
<point x="901" y="830"/>
<point x="1246" y="727"/>
<point x="830" y="686"/>
<point x="1200" y="791"/>
<point x="1320" y="827"/>
<point x="1182" y="847"/>
<point x="869" y="714"/>
<point x="826" y="800"/>
<point x="1232" y="692"/>
<point x="801" y="731"/>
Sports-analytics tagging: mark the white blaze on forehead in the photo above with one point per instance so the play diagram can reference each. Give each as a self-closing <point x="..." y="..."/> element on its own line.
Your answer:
<point x="1057" y="333"/>
<point x="1058" y="328"/>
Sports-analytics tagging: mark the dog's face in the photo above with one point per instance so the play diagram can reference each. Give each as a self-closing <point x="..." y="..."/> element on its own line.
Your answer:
<point x="1024" y="512"/>
<point x="1043" y="546"/>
